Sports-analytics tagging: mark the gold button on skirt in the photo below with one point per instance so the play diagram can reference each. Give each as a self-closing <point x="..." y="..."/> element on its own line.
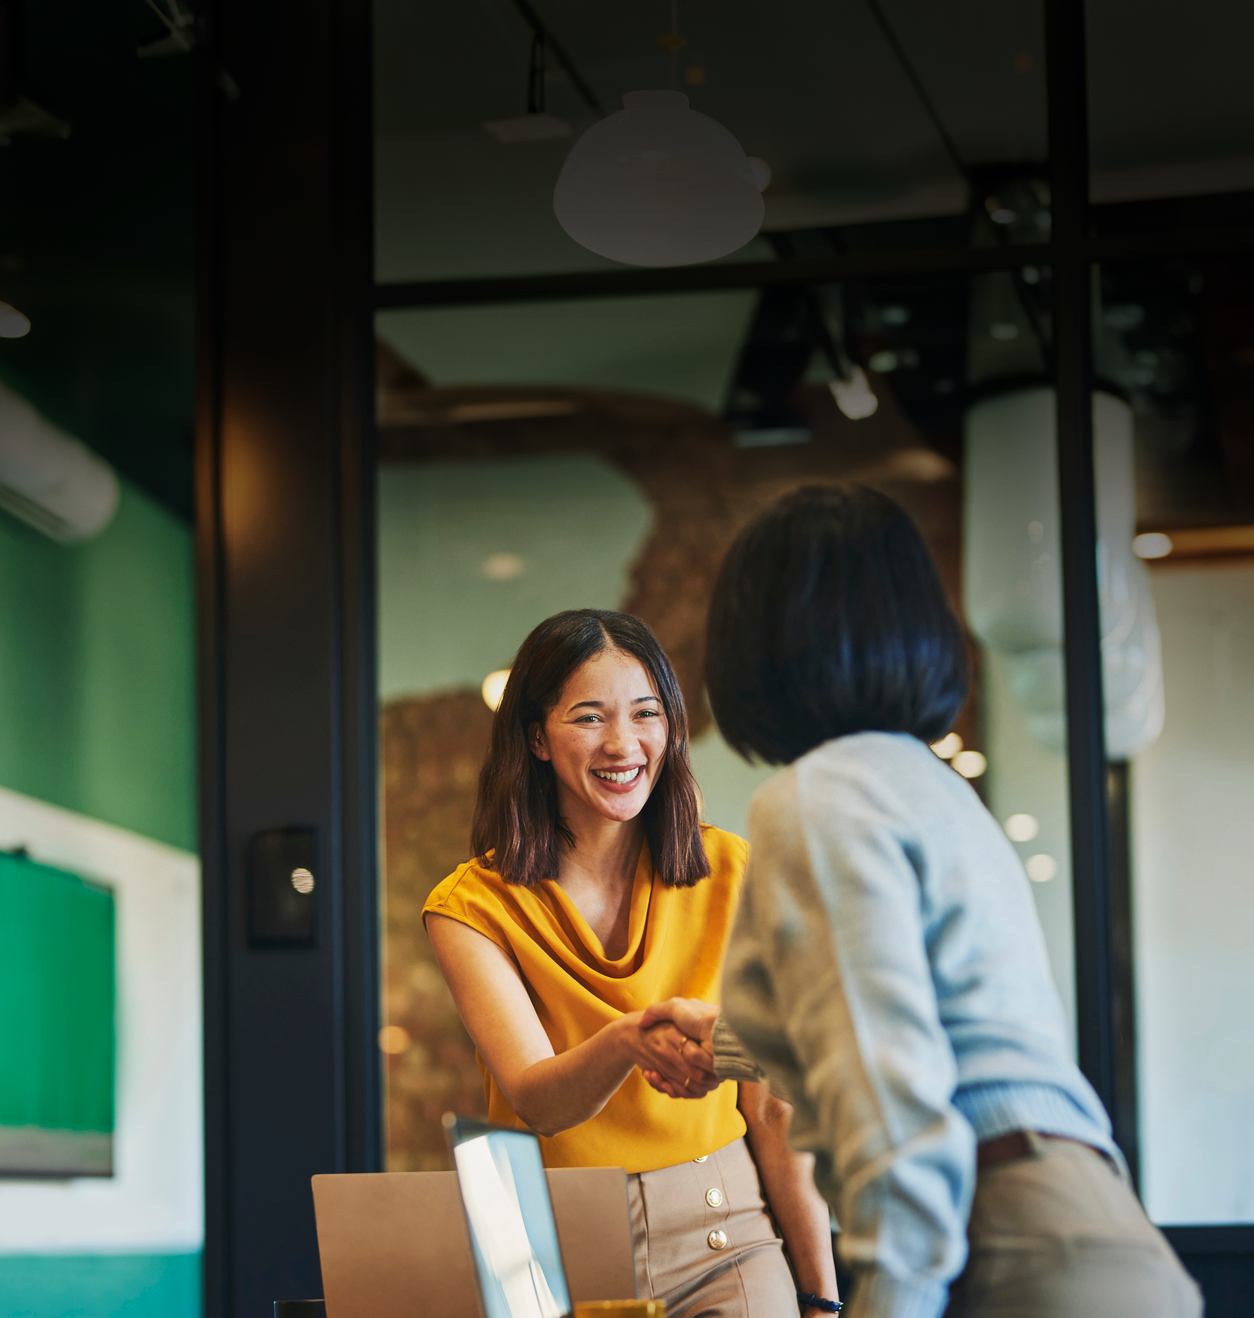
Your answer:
<point x="704" y="1241"/>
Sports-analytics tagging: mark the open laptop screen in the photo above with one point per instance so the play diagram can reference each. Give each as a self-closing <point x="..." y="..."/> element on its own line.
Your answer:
<point x="512" y="1231"/>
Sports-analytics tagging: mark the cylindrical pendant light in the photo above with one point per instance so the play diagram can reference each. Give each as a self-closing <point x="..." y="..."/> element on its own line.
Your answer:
<point x="1012" y="578"/>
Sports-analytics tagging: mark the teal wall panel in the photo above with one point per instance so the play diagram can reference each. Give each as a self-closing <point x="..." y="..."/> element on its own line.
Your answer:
<point x="100" y="1286"/>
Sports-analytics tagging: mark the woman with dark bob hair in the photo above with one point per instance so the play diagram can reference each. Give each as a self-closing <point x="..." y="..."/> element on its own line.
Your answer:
<point x="887" y="966"/>
<point x="594" y="891"/>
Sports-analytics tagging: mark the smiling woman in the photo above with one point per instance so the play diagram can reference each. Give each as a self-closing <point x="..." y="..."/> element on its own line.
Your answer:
<point x="590" y="697"/>
<point x="593" y="891"/>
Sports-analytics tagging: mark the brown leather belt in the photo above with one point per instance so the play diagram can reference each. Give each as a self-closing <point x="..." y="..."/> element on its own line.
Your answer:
<point x="1011" y="1147"/>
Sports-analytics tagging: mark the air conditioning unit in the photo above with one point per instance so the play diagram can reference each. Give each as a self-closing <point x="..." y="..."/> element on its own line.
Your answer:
<point x="50" y="480"/>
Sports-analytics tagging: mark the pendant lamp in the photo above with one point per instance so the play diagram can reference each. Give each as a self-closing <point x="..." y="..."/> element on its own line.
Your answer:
<point x="658" y="184"/>
<point x="1012" y="579"/>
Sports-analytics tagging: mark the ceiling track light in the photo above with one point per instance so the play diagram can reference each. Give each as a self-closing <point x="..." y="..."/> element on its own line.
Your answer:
<point x="849" y="386"/>
<point x="535" y="125"/>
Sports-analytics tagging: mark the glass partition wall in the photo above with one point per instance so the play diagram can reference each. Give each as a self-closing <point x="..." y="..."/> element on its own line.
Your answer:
<point x="1170" y="340"/>
<point x="542" y="456"/>
<point x="558" y="430"/>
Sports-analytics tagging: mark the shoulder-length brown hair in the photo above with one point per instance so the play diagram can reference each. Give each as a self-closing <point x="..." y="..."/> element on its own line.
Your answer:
<point x="516" y="815"/>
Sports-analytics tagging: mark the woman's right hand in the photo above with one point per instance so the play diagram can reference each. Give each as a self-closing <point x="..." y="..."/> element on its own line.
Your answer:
<point x="549" y="1093"/>
<point x="694" y="1017"/>
<point x="662" y="1049"/>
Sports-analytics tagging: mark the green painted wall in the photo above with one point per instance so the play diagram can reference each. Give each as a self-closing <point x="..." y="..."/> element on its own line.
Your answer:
<point x="96" y="1286"/>
<point x="97" y="700"/>
<point x="97" y="714"/>
<point x="56" y="999"/>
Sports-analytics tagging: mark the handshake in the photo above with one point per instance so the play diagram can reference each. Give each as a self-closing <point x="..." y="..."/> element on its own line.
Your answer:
<point x="675" y="1047"/>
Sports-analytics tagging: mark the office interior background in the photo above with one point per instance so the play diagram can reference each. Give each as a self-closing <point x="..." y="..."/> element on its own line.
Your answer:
<point x="339" y="412"/>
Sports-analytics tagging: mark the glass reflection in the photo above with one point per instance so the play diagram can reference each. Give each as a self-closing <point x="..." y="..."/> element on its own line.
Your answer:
<point x="511" y="1225"/>
<point x="538" y="457"/>
<point x="860" y="118"/>
<point x="1171" y="110"/>
<point x="1173" y="338"/>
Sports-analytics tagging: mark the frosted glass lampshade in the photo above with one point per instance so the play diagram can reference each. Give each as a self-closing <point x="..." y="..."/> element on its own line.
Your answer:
<point x="1012" y="579"/>
<point x="658" y="184"/>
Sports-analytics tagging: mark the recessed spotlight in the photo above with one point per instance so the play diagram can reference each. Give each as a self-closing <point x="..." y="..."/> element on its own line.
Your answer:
<point x="394" y="1040"/>
<point x="948" y="746"/>
<point x="1041" y="868"/>
<point x="1022" y="828"/>
<point x="493" y="688"/>
<point x="970" y="764"/>
<point x="503" y="567"/>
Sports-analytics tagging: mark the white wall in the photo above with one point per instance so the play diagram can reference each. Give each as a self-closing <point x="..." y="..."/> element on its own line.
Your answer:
<point x="574" y="523"/>
<point x="1193" y="893"/>
<point x="154" y="1201"/>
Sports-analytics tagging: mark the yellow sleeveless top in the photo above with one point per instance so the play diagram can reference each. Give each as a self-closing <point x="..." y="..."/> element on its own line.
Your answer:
<point x="677" y="939"/>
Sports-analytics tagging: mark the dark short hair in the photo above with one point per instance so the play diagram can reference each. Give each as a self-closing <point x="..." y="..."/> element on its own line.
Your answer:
<point x="516" y="816"/>
<point x="828" y="617"/>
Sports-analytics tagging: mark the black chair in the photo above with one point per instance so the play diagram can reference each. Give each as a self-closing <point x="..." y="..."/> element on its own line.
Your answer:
<point x="300" y="1309"/>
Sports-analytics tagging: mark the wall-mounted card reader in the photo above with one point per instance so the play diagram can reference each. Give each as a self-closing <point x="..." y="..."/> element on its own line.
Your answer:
<point x="282" y="888"/>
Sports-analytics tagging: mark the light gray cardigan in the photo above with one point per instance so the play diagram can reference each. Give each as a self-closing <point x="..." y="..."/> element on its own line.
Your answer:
<point x="888" y="970"/>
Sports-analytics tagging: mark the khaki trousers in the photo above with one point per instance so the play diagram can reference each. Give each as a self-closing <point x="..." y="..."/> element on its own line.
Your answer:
<point x="705" y="1242"/>
<point x="1061" y="1235"/>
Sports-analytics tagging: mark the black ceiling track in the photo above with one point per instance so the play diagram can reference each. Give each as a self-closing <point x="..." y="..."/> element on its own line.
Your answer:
<point x="632" y="281"/>
<point x="546" y="37"/>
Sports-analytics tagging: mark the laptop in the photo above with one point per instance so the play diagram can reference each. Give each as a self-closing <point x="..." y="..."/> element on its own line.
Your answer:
<point x="397" y="1245"/>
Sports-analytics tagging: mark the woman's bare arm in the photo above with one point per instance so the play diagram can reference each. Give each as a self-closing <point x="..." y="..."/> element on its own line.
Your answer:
<point x="550" y="1093"/>
<point x="788" y="1185"/>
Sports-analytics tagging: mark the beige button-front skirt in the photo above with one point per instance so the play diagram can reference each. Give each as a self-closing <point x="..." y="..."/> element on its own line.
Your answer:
<point x="705" y="1242"/>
